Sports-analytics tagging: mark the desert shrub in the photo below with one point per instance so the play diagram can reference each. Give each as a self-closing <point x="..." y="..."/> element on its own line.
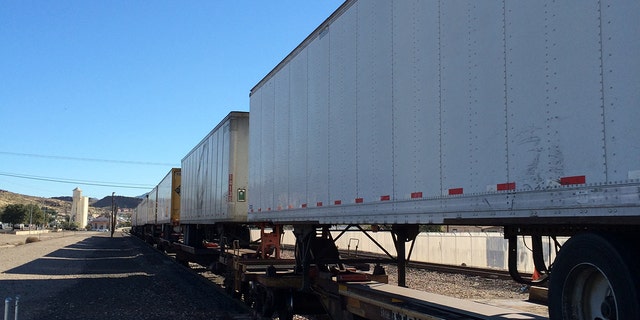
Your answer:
<point x="31" y="239"/>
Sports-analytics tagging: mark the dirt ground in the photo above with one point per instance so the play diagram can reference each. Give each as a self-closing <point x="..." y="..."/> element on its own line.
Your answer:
<point x="89" y="275"/>
<point x="10" y="239"/>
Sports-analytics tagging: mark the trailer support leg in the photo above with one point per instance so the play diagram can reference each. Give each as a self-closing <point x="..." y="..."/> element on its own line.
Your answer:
<point x="304" y="237"/>
<point x="402" y="234"/>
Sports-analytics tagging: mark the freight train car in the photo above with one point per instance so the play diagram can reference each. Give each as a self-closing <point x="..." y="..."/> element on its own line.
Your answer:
<point x="516" y="114"/>
<point x="157" y="216"/>
<point x="140" y="217"/>
<point x="168" y="210"/>
<point x="213" y="193"/>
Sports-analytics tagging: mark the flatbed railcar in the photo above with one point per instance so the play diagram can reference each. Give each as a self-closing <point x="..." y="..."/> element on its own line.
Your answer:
<point x="395" y="114"/>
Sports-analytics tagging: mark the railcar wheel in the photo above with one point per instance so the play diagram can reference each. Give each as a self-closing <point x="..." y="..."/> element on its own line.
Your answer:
<point x="247" y="294"/>
<point x="262" y="301"/>
<point x="285" y="308"/>
<point x="594" y="277"/>
<point x="285" y="314"/>
<point x="181" y="260"/>
<point x="229" y="285"/>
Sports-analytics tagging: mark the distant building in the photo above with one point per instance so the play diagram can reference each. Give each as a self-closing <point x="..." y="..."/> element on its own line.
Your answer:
<point x="100" y="223"/>
<point x="79" y="208"/>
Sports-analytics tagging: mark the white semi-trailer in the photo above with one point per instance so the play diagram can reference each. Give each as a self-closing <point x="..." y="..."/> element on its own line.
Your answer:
<point x="522" y="114"/>
<point x="157" y="216"/>
<point x="213" y="204"/>
<point x="140" y="217"/>
<point x="167" y="226"/>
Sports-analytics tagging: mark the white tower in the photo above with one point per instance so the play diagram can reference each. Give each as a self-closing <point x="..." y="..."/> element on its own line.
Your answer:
<point x="79" y="208"/>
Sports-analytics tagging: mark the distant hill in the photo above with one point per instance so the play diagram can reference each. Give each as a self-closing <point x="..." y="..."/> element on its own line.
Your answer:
<point x="57" y="204"/>
<point x="7" y="198"/>
<point x="70" y="199"/>
<point x="63" y="204"/>
<point x="122" y="202"/>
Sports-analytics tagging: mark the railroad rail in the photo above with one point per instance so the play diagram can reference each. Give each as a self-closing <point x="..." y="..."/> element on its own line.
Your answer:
<point x="367" y="257"/>
<point x="537" y="294"/>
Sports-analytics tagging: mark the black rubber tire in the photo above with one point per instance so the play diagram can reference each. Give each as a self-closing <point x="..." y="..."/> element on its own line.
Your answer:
<point x="591" y="266"/>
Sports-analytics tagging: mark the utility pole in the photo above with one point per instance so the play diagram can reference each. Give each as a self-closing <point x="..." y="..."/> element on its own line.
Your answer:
<point x="30" y="217"/>
<point x="113" y="213"/>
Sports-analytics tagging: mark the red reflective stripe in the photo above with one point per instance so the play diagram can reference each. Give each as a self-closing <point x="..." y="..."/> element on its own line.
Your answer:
<point x="318" y="204"/>
<point x="573" y="180"/>
<point x="337" y="202"/>
<point x="359" y="200"/>
<point x="506" y="186"/>
<point x="304" y="205"/>
<point x="416" y="195"/>
<point x="455" y="191"/>
<point x="385" y="198"/>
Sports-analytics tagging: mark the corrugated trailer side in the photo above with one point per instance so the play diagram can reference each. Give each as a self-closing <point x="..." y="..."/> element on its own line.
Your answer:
<point x="169" y="198"/>
<point x="140" y="220"/>
<point x="450" y="112"/>
<point x="140" y="214"/>
<point x="152" y="206"/>
<point x="214" y="174"/>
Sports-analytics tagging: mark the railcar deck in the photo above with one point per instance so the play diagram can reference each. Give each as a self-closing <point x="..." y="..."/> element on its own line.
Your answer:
<point x="383" y="301"/>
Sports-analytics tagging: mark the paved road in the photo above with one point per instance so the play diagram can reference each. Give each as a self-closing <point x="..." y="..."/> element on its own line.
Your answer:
<point x="87" y="275"/>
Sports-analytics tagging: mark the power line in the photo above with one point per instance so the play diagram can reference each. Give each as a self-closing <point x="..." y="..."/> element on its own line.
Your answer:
<point x="34" y="155"/>
<point x="84" y="182"/>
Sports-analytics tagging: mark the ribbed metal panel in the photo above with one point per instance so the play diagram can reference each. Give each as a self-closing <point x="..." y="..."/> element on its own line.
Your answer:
<point x="409" y="101"/>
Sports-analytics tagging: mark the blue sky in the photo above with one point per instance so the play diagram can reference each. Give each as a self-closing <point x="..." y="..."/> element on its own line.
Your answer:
<point x="103" y="95"/>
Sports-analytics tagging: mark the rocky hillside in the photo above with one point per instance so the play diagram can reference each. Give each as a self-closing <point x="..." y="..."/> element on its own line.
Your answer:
<point x="63" y="206"/>
<point x="122" y="202"/>
<point x="7" y="198"/>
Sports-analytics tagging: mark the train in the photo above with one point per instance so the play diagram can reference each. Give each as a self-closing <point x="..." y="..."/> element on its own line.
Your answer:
<point x="395" y="114"/>
<point x="157" y="216"/>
